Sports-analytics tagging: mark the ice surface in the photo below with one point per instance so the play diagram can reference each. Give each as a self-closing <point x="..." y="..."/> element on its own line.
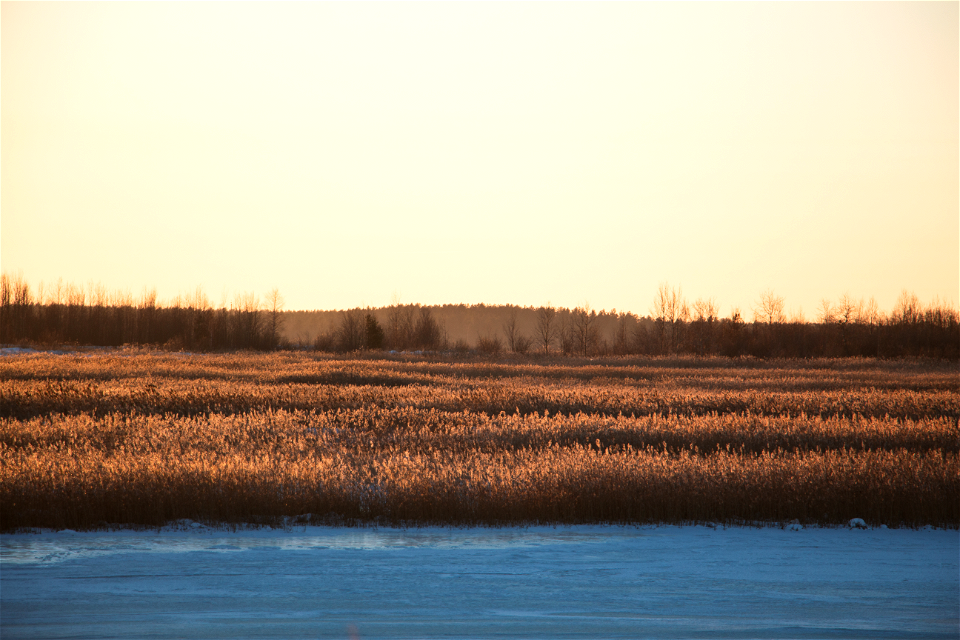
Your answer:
<point x="192" y="581"/>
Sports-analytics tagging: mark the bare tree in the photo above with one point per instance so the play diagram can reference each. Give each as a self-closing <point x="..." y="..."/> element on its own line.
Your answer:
<point x="197" y="328"/>
<point x="400" y="325"/>
<point x="97" y="294"/>
<point x="682" y="317"/>
<point x="16" y="301"/>
<point x="148" y="299"/>
<point x="849" y="310"/>
<point x="489" y="345"/>
<point x="147" y="311"/>
<point x="428" y="333"/>
<point x="825" y="314"/>
<point x="621" y="338"/>
<point x="565" y="334"/>
<point x="661" y="315"/>
<point x="705" y="314"/>
<point x="769" y="308"/>
<point x="6" y="290"/>
<point x="769" y="333"/>
<point x="705" y="310"/>
<point x="351" y="332"/>
<point x="546" y="328"/>
<point x="669" y="312"/>
<point x="274" y="306"/>
<point x="907" y="309"/>
<point x="584" y="329"/>
<point x="871" y="313"/>
<point x="517" y="342"/>
<point x="248" y="320"/>
<point x="522" y="344"/>
<point x="510" y="331"/>
<point x="197" y="300"/>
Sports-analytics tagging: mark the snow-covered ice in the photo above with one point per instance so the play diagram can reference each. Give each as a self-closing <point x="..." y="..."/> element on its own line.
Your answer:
<point x="16" y="351"/>
<point x="192" y="581"/>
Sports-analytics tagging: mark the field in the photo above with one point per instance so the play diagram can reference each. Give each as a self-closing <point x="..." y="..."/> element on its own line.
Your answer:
<point x="101" y="437"/>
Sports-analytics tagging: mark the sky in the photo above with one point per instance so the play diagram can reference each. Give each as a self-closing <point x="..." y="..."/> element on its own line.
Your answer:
<point x="354" y="154"/>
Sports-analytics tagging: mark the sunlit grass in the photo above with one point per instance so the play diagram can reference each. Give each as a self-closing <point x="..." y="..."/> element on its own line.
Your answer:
<point x="144" y="439"/>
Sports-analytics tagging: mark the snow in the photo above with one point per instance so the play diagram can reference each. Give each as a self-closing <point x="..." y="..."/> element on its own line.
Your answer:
<point x="87" y="351"/>
<point x="192" y="581"/>
<point x="17" y="351"/>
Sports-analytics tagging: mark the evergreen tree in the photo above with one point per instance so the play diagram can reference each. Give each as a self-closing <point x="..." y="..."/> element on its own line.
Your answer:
<point x="375" y="336"/>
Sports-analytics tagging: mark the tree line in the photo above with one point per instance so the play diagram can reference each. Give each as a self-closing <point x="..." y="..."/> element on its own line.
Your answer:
<point x="69" y="314"/>
<point x="397" y="328"/>
<point x="64" y="314"/>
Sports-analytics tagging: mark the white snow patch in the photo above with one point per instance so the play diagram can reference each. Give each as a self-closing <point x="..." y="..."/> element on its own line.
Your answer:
<point x="16" y="351"/>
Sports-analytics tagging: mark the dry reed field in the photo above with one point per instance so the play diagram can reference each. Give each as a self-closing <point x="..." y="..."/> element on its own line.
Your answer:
<point x="133" y="437"/>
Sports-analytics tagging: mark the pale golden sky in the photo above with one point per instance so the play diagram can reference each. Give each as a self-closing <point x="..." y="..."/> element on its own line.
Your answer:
<point x="475" y="152"/>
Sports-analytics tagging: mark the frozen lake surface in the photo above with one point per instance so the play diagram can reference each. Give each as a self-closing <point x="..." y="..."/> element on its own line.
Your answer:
<point x="537" y="582"/>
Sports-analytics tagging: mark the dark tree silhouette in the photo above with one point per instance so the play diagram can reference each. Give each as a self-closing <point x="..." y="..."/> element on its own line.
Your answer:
<point x="374" y="333"/>
<point x="546" y="327"/>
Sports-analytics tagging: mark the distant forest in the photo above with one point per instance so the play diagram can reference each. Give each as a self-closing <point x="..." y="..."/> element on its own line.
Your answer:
<point x="66" y="314"/>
